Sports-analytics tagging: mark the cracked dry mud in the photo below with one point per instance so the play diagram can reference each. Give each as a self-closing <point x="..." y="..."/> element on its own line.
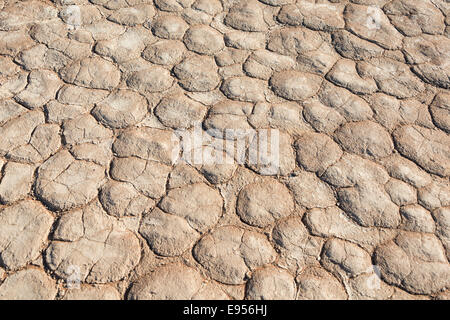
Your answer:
<point x="92" y="205"/>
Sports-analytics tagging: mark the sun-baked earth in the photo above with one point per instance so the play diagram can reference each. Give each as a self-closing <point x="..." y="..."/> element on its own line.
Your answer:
<point x="92" y="205"/>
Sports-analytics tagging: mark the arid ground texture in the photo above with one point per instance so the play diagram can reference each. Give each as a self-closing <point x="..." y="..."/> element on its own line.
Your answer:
<point x="224" y="149"/>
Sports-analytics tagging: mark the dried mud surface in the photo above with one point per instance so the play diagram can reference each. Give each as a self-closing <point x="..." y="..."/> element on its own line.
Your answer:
<point x="92" y="205"/>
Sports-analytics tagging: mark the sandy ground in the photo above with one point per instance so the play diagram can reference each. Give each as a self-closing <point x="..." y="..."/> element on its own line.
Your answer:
<point x="206" y="149"/>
